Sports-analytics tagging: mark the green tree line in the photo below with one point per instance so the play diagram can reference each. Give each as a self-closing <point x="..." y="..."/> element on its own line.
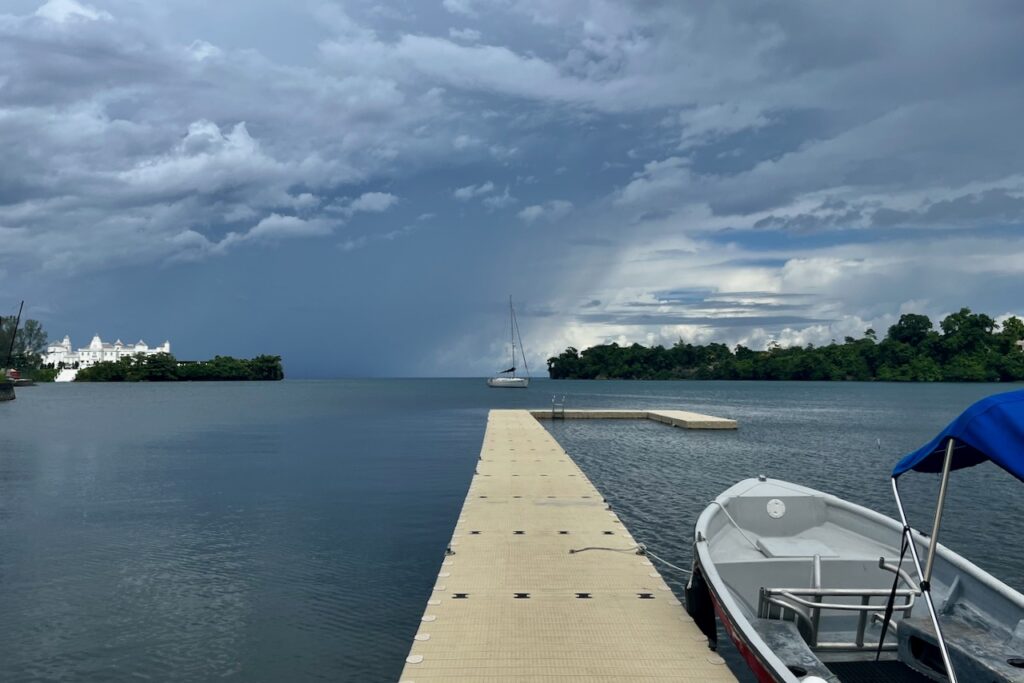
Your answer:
<point x="968" y="347"/>
<point x="164" y="367"/>
<point x="28" y="348"/>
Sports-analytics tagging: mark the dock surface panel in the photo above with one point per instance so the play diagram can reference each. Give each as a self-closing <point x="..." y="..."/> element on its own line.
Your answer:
<point x="676" y="418"/>
<point x="513" y="604"/>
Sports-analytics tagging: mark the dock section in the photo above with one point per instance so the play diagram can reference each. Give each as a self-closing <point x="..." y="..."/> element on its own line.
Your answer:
<point x="512" y="603"/>
<point x="676" y="418"/>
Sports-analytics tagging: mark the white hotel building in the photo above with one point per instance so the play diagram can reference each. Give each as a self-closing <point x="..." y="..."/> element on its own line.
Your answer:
<point x="97" y="351"/>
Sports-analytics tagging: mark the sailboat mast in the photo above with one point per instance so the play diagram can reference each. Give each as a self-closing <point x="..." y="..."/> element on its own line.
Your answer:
<point x="512" y="334"/>
<point x="14" y="335"/>
<point x="522" y="349"/>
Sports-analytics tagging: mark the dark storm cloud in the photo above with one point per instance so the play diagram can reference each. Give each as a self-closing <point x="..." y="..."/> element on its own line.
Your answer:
<point x="986" y="209"/>
<point x="991" y="207"/>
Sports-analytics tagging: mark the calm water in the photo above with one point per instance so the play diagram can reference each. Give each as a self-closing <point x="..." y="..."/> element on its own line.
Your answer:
<point x="292" y="531"/>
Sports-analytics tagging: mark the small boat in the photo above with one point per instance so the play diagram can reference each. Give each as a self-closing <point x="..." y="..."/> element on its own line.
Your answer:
<point x="811" y="587"/>
<point x="507" y="378"/>
<point x="508" y="382"/>
<point x="19" y="381"/>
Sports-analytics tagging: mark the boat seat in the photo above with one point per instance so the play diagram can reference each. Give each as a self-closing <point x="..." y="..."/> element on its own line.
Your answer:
<point x="783" y="546"/>
<point x="977" y="653"/>
<point x="783" y="638"/>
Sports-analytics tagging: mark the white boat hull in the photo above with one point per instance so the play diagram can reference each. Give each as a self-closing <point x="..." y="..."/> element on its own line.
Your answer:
<point x="509" y="382"/>
<point x="761" y="534"/>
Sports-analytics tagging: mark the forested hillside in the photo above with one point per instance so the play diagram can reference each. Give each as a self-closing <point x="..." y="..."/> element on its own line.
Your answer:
<point x="967" y="347"/>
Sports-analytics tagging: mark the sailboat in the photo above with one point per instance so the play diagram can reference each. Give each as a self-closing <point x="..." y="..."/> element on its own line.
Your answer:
<point x="507" y="378"/>
<point x="7" y="382"/>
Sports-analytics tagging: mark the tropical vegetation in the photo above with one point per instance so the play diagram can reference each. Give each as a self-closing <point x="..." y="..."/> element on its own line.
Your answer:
<point x="164" y="367"/>
<point x="27" y="350"/>
<point x="967" y="347"/>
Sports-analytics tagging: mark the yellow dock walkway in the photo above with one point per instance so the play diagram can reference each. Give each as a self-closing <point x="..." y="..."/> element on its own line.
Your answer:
<point x="513" y="604"/>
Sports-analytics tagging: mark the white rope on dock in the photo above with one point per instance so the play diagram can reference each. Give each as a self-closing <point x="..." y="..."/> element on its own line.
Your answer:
<point x="648" y="553"/>
<point x="635" y="548"/>
<point x="639" y="549"/>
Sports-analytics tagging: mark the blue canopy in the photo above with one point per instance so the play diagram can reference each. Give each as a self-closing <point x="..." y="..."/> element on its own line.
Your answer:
<point x="991" y="429"/>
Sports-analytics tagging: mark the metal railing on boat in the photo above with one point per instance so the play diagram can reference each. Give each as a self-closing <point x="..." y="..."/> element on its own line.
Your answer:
<point x="793" y="600"/>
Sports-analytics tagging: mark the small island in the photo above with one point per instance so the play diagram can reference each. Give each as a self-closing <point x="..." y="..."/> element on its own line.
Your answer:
<point x="971" y="347"/>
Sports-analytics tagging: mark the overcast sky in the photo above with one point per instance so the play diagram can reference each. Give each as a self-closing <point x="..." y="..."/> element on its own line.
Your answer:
<point x="358" y="186"/>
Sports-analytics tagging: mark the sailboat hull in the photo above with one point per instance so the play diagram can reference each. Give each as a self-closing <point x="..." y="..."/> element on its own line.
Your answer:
<point x="509" y="382"/>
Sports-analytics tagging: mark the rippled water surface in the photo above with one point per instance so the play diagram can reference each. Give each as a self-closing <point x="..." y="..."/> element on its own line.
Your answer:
<point x="292" y="531"/>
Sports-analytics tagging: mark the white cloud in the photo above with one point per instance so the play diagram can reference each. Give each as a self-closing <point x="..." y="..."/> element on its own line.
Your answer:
<point x="201" y="50"/>
<point x="463" y="7"/>
<point x="500" y="201"/>
<point x="190" y="245"/>
<point x="465" y="142"/>
<point x="551" y="211"/>
<point x="503" y="153"/>
<point x="368" y="202"/>
<point x="483" y="68"/>
<point x="659" y="180"/>
<point x="112" y="134"/>
<point x="373" y="202"/>
<point x="464" y="194"/>
<point x="204" y="161"/>
<point x="61" y="11"/>
<point x="361" y="241"/>
<point x="306" y="201"/>
<point x="792" y="295"/>
<point x="705" y="124"/>
<point x="816" y="273"/>
<point x="354" y="243"/>
<point x="276" y="226"/>
<point x="468" y="35"/>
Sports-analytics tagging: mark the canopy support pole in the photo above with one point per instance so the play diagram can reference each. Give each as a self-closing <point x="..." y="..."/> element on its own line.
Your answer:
<point x="925" y="585"/>
<point x="938" y="509"/>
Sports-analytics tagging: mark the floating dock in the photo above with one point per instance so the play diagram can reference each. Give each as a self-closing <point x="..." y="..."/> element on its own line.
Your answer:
<point x="512" y="603"/>
<point x="676" y="418"/>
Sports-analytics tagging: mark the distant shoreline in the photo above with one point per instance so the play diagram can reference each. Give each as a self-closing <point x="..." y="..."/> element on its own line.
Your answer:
<point x="163" y="367"/>
<point x="971" y="347"/>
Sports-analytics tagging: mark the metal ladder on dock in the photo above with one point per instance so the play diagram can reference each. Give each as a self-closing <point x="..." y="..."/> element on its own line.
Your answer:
<point x="557" y="408"/>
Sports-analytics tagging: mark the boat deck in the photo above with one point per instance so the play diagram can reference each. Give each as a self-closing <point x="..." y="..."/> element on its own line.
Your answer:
<point x="876" y="672"/>
<point x="513" y="603"/>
